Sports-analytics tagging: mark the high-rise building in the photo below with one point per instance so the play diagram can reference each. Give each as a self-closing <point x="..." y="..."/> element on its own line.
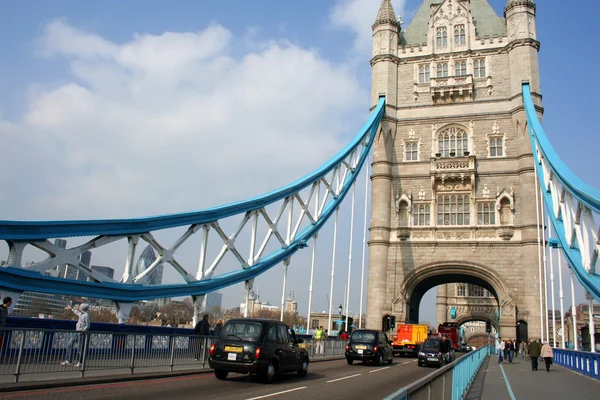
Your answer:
<point x="108" y="271"/>
<point x="144" y="261"/>
<point x="213" y="301"/>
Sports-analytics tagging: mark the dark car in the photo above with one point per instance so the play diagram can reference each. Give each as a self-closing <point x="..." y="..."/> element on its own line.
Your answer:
<point x="369" y="345"/>
<point x="259" y="347"/>
<point x="431" y="353"/>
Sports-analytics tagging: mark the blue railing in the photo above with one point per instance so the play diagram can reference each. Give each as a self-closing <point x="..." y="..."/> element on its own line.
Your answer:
<point x="465" y="370"/>
<point x="583" y="362"/>
<point x="453" y="380"/>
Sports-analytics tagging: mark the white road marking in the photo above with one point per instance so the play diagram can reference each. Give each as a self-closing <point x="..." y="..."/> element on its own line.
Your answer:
<point x="341" y="379"/>
<point x="378" y="369"/>
<point x="278" y="393"/>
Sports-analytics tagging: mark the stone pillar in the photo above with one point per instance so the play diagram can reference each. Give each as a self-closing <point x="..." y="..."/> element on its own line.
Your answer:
<point x="442" y="303"/>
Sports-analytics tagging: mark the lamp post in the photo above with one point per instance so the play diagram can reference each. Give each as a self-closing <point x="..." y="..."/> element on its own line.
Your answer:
<point x="340" y="308"/>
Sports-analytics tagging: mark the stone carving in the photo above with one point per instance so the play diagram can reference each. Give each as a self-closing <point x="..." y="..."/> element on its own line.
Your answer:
<point x="454" y="235"/>
<point x="474" y="248"/>
<point x="486" y="191"/>
<point x="486" y="235"/>
<point x="495" y="128"/>
<point x="453" y="187"/>
<point x="421" y="194"/>
<point x="432" y="247"/>
<point x="508" y="311"/>
<point x="421" y="234"/>
<point x="411" y="133"/>
<point x="452" y="165"/>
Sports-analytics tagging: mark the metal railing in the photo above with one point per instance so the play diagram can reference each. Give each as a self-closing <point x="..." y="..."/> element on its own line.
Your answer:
<point x="581" y="361"/>
<point x="44" y="351"/>
<point x="451" y="382"/>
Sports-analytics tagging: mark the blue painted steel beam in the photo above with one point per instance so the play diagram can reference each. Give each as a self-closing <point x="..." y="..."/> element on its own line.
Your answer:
<point x="579" y="189"/>
<point x="19" y="280"/>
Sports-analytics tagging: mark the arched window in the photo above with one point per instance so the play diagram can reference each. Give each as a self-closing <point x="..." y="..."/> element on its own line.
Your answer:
<point x="442" y="70"/>
<point x="454" y="210"/>
<point x="412" y="151"/>
<point x="479" y="68"/>
<point x="403" y="214"/>
<point x="459" y="34"/>
<point x="421" y="214"/>
<point x="453" y="141"/>
<point x="461" y="68"/>
<point x="486" y="214"/>
<point x="442" y="36"/>
<point x="424" y="73"/>
<point x="505" y="212"/>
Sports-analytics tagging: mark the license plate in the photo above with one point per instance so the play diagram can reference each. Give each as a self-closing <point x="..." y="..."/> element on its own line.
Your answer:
<point x="361" y="347"/>
<point x="432" y="359"/>
<point x="232" y="356"/>
<point x="233" y="349"/>
<point x="360" y="351"/>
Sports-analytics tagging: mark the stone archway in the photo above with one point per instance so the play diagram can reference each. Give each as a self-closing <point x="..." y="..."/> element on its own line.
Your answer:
<point x="428" y="276"/>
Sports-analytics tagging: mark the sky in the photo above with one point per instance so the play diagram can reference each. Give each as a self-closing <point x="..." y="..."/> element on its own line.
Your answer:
<point x="127" y="109"/>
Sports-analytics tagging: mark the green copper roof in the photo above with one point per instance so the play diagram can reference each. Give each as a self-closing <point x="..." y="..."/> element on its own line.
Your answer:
<point x="487" y="22"/>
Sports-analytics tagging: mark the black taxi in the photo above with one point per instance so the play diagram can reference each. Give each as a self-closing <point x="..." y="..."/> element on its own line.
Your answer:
<point x="369" y="346"/>
<point x="259" y="347"/>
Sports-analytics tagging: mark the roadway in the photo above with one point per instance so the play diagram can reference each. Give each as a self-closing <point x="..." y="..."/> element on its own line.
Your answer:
<point x="325" y="380"/>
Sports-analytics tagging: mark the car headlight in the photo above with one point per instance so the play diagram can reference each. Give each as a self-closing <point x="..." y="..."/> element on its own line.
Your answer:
<point x="422" y="354"/>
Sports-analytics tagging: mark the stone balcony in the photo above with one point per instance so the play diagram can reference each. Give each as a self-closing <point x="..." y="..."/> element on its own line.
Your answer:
<point x="452" y="89"/>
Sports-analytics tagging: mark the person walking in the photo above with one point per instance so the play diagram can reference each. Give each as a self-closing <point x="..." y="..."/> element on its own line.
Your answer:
<point x="78" y="339"/>
<point x="510" y="348"/>
<point x="522" y="349"/>
<point x="535" y="350"/>
<point x="6" y="303"/>
<point x="500" y="345"/>
<point x="218" y="328"/>
<point x="319" y="341"/>
<point x="547" y="355"/>
<point x="202" y="328"/>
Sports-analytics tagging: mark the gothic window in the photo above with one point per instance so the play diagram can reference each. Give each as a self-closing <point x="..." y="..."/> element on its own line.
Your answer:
<point x="442" y="70"/>
<point x="442" y="37"/>
<point x="412" y="151"/>
<point x="454" y="210"/>
<point x="461" y="290"/>
<point x="476" y="291"/>
<point x="461" y="68"/>
<point x="452" y="142"/>
<point x="459" y="34"/>
<point x="496" y="146"/>
<point x="424" y="73"/>
<point x="486" y="214"/>
<point x="505" y="212"/>
<point x="403" y="214"/>
<point x="479" y="68"/>
<point x="421" y="214"/>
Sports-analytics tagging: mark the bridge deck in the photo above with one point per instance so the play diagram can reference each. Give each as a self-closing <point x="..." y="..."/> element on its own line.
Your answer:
<point x="517" y="381"/>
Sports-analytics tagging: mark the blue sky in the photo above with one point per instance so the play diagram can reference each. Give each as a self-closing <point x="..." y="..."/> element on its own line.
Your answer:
<point x="90" y="91"/>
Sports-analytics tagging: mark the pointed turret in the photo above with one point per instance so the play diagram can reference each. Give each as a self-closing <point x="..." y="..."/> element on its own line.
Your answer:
<point x="386" y="14"/>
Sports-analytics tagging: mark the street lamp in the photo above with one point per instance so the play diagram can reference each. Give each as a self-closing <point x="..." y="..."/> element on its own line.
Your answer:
<point x="340" y="308"/>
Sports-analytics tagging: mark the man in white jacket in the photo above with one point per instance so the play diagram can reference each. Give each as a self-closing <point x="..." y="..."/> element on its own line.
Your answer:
<point x="83" y="324"/>
<point x="500" y="345"/>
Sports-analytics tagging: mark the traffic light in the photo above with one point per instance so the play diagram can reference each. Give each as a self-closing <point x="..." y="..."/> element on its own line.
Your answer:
<point x="392" y="321"/>
<point x="488" y="326"/>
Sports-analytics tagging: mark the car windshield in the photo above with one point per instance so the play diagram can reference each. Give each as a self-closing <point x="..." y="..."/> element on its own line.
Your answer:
<point x="431" y="344"/>
<point x="242" y="330"/>
<point x="363" y="336"/>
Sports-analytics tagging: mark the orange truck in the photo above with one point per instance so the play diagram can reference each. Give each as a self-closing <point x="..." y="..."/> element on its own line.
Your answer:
<point x="409" y="339"/>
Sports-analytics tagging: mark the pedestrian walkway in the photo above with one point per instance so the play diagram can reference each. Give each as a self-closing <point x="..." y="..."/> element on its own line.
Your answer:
<point x="517" y="381"/>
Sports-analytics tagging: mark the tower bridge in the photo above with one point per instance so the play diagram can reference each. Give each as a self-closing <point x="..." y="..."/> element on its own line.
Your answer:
<point x="463" y="182"/>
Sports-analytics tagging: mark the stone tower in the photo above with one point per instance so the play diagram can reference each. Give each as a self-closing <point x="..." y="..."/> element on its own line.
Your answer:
<point x="453" y="196"/>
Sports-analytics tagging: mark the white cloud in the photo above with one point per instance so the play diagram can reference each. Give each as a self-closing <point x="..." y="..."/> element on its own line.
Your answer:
<point x="358" y="16"/>
<point x="173" y="122"/>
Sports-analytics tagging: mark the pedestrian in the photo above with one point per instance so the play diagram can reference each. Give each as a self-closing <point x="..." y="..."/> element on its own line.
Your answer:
<point x="535" y="350"/>
<point x="202" y="328"/>
<point x="218" y="328"/>
<point x="500" y="349"/>
<point x="510" y="348"/>
<point x="78" y="339"/>
<point x="319" y="338"/>
<point x="6" y="303"/>
<point x="547" y="355"/>
<point x="522" y="348"/>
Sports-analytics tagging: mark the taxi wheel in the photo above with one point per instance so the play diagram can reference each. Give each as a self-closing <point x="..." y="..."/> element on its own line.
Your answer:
<point x="222" y="375"/>
<point x="379" y="360"/>
<point x="303" y="369"/>
<point x="349" y="361"/>
<point x="269" y="374"/>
